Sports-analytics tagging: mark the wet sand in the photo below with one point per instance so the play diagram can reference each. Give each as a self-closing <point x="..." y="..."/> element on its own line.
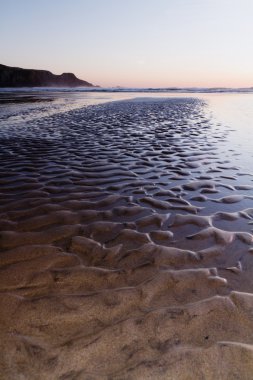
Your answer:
<point x="126" y="246"/>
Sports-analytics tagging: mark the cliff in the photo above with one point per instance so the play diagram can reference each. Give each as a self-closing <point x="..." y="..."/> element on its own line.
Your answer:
<point x="18" y="77"/>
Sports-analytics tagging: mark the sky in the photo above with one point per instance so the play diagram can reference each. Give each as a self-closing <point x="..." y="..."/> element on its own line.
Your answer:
<point x="132" y="43"/>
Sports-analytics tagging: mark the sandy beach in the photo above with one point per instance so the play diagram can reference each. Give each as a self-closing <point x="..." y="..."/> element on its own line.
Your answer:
<point x="126" y="246"/>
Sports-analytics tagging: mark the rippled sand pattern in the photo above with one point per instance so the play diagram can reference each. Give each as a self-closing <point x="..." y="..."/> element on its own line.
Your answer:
<point x="126" y="246"/>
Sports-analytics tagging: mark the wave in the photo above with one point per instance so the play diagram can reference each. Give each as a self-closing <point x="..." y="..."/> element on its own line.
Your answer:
<point x="132" y="89"/>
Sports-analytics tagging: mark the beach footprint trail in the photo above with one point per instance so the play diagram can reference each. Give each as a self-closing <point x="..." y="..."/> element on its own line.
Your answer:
<point x="126" y="246"/>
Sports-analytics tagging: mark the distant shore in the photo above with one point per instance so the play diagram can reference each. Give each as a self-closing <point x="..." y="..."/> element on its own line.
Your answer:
<point x="19" y="77"/>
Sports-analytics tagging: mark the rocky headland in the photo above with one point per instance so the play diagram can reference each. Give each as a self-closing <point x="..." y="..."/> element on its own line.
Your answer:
<point x="18" y="77"/>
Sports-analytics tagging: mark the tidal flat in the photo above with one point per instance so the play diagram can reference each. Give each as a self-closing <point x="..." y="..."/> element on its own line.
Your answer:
<point x="126" y="237"/>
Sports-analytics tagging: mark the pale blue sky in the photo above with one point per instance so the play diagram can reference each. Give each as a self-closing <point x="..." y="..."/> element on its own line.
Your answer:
<point x="132" y="42"/>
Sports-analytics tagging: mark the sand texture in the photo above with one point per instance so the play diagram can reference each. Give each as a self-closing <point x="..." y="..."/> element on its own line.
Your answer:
<point x="126" y="246"/>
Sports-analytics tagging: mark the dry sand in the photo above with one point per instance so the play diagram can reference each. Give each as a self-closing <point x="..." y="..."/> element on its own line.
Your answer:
<point x="126" y="247"/>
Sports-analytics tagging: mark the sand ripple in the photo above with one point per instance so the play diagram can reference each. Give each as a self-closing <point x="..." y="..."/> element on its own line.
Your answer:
<point x="126" y="246"/>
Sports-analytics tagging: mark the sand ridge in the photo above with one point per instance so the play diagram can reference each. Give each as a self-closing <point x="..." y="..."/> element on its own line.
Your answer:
<point x="126" y="246"/>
